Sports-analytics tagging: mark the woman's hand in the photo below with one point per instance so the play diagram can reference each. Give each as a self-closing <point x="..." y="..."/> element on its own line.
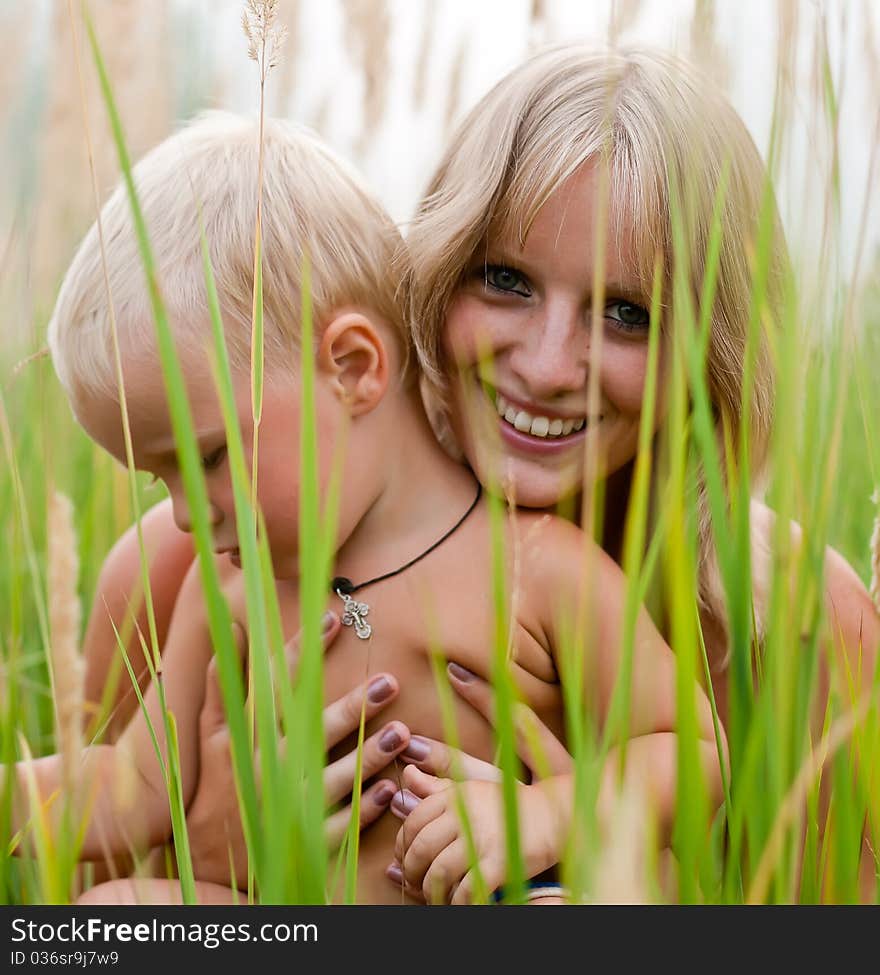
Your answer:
<point x="431" y="853"/>
<point x="213" y="819"/>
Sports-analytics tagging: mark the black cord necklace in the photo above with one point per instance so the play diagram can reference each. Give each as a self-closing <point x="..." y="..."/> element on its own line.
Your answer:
<point x="354" y="613"/>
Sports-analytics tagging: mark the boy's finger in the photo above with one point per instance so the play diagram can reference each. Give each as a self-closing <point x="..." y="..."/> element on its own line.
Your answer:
<point x="379" y="749"/>
<point x="437" y="758"/>
<point x="239" y="636"/>
<point x="342" y="717"/>
<point x="213" y="716"/>
<point x="421" y="784"/>
<point x="541" y="751"/>
<point x="374" y="801"/>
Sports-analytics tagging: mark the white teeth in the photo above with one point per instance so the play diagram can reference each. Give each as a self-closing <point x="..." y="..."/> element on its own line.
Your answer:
<point x="537" y="426"/>
<point x="540" y="426"/>
<point x="523" y="422"/>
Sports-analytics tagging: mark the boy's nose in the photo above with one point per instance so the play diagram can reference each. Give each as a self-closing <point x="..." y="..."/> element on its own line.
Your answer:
<point x="182" y="517"/>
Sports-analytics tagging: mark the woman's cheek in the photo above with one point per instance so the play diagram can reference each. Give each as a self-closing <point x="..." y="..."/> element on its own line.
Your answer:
<point x="469" y="332"/>
<point x="623" y="378"/>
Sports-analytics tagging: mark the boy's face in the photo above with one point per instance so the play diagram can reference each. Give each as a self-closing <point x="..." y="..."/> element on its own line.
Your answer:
<point x="529" y="309"/>
<point x="278" y="454"/>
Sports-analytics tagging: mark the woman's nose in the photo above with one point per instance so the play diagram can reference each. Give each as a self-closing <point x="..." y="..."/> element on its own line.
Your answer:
<point x="553" y="357"/>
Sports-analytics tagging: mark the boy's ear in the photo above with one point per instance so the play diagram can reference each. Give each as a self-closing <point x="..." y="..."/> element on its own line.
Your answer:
<point x="353" y="354"/>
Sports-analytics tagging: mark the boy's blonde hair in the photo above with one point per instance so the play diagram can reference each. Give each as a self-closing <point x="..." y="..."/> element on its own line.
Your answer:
<point x="666" y="135"/>
<point x="314" y="208"/>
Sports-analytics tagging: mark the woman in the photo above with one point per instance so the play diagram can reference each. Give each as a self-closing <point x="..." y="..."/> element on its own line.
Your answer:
<point x="560" y="189"/>
<point x="548" y="222"/>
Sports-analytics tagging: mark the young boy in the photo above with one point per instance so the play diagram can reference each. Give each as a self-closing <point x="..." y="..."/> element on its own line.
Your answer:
<point x="413" y="533"/>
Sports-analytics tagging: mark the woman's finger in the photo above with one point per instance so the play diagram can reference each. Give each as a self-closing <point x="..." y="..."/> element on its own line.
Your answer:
<point x="330" y="626"/>
<point x="541" y="751"/>
<point x="342" y="717"/>
<point x="379" y="749"/>
<point x="437" y="758"/>
<point x="374" y="801"/>
<point x="395" y="874"/>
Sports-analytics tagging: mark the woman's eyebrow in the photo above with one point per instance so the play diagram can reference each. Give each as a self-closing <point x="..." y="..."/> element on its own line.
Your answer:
<point x="504" y="254"/>
<point x="626" y="291"/>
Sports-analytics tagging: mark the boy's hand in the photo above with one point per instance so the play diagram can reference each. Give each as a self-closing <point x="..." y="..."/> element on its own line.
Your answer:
<point x="538" y="748"/>
<point x="432" y="857"/>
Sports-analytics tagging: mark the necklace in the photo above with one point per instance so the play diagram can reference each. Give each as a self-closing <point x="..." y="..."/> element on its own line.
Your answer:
<point x="355" y="613"/>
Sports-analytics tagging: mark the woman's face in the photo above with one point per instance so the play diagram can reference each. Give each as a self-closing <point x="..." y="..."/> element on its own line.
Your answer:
<point x="529" y="309"/>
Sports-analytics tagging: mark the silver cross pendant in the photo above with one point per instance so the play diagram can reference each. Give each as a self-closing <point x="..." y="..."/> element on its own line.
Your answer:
<point x="354" y="615"/>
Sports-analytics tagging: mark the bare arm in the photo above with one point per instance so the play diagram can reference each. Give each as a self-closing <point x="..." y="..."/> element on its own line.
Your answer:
<point x="431" y="857"/>
<point x="139" y="816"/>
<point x="849" y="653"/>
<point x="119" y="602"/>
<point x="591" y="581"/>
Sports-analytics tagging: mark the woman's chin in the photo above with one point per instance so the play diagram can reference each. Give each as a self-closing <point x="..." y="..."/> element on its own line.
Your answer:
<point x="528" y="484"/>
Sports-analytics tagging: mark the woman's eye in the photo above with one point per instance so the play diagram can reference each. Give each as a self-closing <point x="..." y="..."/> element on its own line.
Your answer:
<point x="505" y="279"/>
<point x="628" y="316"/>
<point x="213" y="460"/>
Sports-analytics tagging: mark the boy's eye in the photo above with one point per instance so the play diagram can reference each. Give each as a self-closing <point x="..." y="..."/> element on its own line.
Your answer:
<point x="213" y="460"/>
<point x="629" y="316"/>
<point x="506" y="279"/>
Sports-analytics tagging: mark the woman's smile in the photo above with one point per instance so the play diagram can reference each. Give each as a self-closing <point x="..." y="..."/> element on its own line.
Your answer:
<point x="535" y="428"/>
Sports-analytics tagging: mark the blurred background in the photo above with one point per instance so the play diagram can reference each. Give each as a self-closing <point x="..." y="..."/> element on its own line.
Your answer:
<point x="385" y="80"/>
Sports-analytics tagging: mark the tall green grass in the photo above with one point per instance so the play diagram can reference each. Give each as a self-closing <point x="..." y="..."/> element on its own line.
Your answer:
<point x="790" y="825"/>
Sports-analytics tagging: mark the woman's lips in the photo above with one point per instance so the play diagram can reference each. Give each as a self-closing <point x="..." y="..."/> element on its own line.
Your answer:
<point x="530" y="443"/>
<point x="540" y="446"/>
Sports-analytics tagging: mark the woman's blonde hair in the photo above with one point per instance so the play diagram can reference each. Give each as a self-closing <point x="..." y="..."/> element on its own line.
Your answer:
<point x="315" y="210"/>
<point x="667" y="136"/>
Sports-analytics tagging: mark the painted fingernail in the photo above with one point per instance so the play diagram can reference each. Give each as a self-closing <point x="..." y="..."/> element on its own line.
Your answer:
<point x="394" y="872"/>
<point x="460" y="673"/>
<point x="327" y="621"/>
<point x="404" y="802"/>
<point x="389" y="740"/>
<point x="383" y="794"/>
<point x="379" y="690"/>
<point x="417" y="749"/>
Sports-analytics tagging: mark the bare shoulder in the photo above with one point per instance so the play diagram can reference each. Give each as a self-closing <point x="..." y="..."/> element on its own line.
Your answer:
<point x="560" y="566"/>
<point x="169" y="551"/>
<point x="846" y="596"/>
<point x="550" y="543"/>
